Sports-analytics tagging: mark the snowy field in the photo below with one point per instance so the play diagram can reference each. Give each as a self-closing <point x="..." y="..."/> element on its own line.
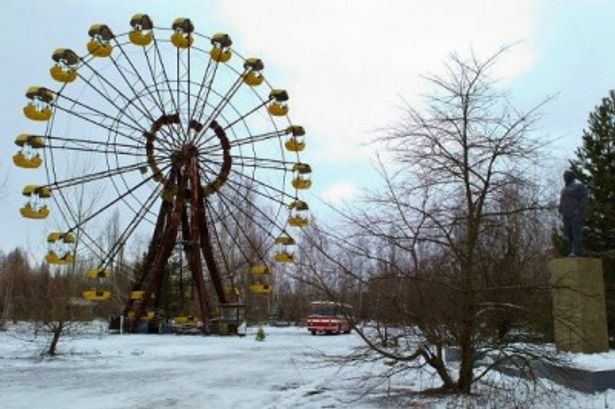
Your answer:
<point x="287" y="370"/>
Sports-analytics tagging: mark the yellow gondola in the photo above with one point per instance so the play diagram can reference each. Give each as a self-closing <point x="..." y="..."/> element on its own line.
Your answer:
<point x="64" y="70"/>
<point x="260" y="269"/>
<point x="186" y="320"/>
<point x="63" y="75"/>
<point x="22" y="161"/>
<point x="220" y="50"/>
<point x="295" y="142"/>
<point x="53" y="237"/>
<point x="24" y="140"/>
<point x="141" y="33"/>
<point x="302" y="172"/>
<point x="182" y="37"/>
<point x="301" y="183"/>
<point x="278" y="106"/>
<point x="68" y="238"/>
<point x="29" y="212"/>
<point x="93" y="294"/>
<point x="297" y="221"/>
<point x="99" y="45"/>
<point x="40" y="93"/>
<point x="253" y="76"/>
<point x="137" y="295"/>
<point x="35" y="208"/>
<point x="147" y="315"/>
<point x="232" y="291"/>
<point x="39" y="108"/>
<point x="53" y="258"/>
<point x="285" y="240"/>
<point x="284" y="257"/>
<point x="100" y="273"/>
<point x="260" y="288"/>
<point x="299" y="214"/>
<point x="40" y="191"/>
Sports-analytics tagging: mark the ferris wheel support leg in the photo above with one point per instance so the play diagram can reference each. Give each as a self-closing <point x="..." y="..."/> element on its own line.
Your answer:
<point x="154" y="248"/>
<point x="189" y="232"/>
<point x="207" y="250"/>
<point x="167" y="243"/>
<point x="187" y="248"/>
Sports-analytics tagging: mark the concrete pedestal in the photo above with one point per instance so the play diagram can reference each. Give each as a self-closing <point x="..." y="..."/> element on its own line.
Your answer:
<point x="579" y="310"/>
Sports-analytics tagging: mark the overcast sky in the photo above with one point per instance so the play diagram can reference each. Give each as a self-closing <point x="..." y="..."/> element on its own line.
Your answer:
<point x="346" y="64"/>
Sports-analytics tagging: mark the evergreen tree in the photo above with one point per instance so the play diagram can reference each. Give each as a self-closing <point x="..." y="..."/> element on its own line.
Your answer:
<point x="594" y="166"/>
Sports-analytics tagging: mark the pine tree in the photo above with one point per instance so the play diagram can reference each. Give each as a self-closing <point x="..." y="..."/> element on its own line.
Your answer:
<point x="594" y="166"/>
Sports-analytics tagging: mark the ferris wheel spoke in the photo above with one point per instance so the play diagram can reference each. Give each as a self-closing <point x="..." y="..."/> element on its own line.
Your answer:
<point x="240" y="226"/>
<point x="235" y="122"/>
<point x="260" y="161"/>
<point x="262" y="184"/>
<point x="94" y="150"/>
<point x="261" y="166"/>
<point x="154" y="79"/>
<point x="207" y="89"/>
<point x="91" y="244"/>
<point x="178" y="90"/>
<point x="103" y="90"/>
<point x="264" y="160"/>
<point x="95" y="176"/>
<point x="144" y="110"/>
<point x="97" y="112"/>
<point x="254" y="162"/>
<point x="132" y="226"/>
<point x="258" y="138"/>
<point x="138" y="73"/>
<point x="165" y="75"/>
<point x="114" y="201"/>
<point x="81" y="142"/>
<point x="98" y="123"/>
<point x="189" y="84"/>
<point x="247" y="114"/>
<point x="221" y="105"/>
<point x="128" y="100"/>
<point x="256" y="191"/>
<point x="201" y="86"/>
<point x="263" y="214"/>
<point x="253" y="139"/>
<point x="221" y="247"/>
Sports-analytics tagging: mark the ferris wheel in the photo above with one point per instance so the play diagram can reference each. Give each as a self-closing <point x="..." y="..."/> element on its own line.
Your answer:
<point x="185" y="140"/>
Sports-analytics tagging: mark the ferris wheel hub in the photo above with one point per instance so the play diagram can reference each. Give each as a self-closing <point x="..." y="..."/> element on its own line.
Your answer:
<point x="185" y="154"/>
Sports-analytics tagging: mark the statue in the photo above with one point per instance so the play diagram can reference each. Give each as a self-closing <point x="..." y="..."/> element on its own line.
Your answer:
<point x="573" y="201"/>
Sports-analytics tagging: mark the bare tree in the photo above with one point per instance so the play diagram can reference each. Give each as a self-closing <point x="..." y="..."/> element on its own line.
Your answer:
<point x="57" y="302"/>
<point x="452" y="248"/>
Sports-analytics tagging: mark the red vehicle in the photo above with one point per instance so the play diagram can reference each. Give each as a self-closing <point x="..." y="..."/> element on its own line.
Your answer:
<point x="329" y="317"/>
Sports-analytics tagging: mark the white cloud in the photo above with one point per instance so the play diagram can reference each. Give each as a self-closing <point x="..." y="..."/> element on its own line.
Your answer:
<point x="346" y="64"/>
<point x="339" y="192"/>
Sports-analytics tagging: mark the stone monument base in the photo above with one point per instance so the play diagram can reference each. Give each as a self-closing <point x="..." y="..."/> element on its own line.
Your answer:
<point x="579" y="310"/>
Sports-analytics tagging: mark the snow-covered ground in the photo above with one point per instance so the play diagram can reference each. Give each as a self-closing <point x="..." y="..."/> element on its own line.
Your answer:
<point x="595" y="362"/>
<point x="287" y="370"/>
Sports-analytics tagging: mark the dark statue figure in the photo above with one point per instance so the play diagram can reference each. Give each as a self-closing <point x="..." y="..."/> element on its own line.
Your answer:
<point x="573" y="201"/>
